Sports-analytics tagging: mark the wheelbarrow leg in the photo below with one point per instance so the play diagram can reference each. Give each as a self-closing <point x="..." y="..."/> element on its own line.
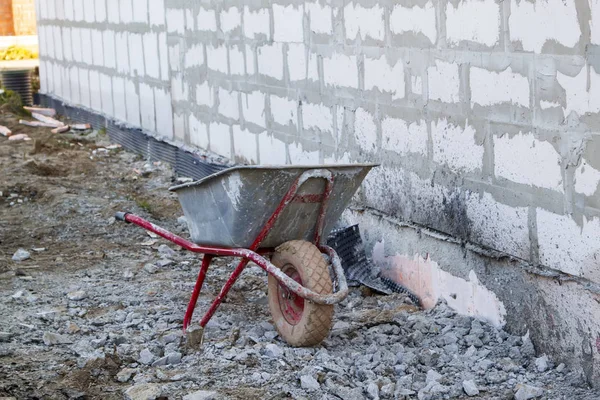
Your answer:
<point x="199" y="282"/>
<point x="236" y="273"/>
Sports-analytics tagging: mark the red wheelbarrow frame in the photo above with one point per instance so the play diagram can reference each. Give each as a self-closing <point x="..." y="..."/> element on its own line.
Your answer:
<point x="253" y="253"/>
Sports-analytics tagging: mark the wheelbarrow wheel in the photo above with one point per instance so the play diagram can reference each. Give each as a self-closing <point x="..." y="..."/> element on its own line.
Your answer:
<point x="301" y="322"/>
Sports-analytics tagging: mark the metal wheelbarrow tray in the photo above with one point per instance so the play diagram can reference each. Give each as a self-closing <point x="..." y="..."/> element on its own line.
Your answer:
<point x="283" y="212"/>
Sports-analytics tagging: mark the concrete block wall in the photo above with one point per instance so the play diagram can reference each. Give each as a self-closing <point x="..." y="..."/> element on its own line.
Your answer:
<point x="484" y="115"/>
<point x="109" y="56"/>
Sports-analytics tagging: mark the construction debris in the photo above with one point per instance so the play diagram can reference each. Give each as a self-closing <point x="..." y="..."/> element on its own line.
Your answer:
<point x="49" y="112"/>
<point x="4" y="131"/>
<point x="47" y="120"/>
<point x="81" y="127"/>
<point x="20" y="136"/>
<point x="61" y="129"/>
<point x="36" y="124"/>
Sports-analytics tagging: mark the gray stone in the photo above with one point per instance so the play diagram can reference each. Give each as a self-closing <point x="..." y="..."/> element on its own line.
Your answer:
<point x="164" y="262"/>
<point x="541" y="363"/>
<point x="128" y="274"/>
<point x="526" y="392"/>
<point x="125" y="374"/>
<point x="470" y="388"/>
<point x="160" y="362"/>
<point x="372" y="391"/>
<point x="273" y="351"/>
<point x="309" y="383"/>
<point x="77" y="295"/>
<point x="387" y="391"/>
<point x="5" y="336"/>
<point x="144" y="391"/>
<point x="146" y="357"/>
<point x="201" y="395"/>
<point x="21" y="255"/>
<point x="182" y="221"/>
<point x="433" y="376"/>
<point x="150" y="268"/>
<point x="166" y="251"/>
<point x="171" y="338"/>
<point x="473" y="340"/>
<point x="174" y="358"/>
<point x="560" y="367"/>
<point x="51" y="339"/>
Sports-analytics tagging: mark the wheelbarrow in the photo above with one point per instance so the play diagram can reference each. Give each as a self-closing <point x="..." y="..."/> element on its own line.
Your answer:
<point x="282" y="213"/>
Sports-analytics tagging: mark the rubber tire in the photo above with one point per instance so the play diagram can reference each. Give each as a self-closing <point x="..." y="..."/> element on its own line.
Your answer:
<point x="316" y="321"/>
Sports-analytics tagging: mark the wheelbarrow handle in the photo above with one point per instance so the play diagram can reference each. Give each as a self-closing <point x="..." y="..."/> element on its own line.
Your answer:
<point x="122" y="216"/>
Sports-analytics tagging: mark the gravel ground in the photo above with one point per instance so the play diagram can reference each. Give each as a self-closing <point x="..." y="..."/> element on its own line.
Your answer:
<point x="94" y="310"/>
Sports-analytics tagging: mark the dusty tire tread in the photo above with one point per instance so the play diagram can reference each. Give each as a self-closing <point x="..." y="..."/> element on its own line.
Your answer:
<point x="313" y="268"/>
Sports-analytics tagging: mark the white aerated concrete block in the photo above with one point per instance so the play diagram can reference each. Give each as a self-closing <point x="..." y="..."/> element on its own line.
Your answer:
<point x="236" y="61"/>
<point x="229" y="103"/>
<point x="220" y="139"/>
<point x="175" y="21"/>
<point x="271" y="150"/>
<point x="179" y="127"/>
<point x="256" y="22"/>
<point x="245" y="145"/>
<point x="380" y="74"/>
<point x="250" y="60"/>
<point x="587" y="179"/>
<point x="526" y="160"/>
<point x="284" y="111"/>
<point x="582" y="94"/>
<point x="317" y="116"/>
<point x="300" y="156"/>
<point x="569" y="246"/>
<point x="77" y="10"/>
<point x="179" y="88"/>
<point x="287" y="23"/>
<point x="217" y="58"/>
<point x="75" y="89"/>
<point x="140" y="10"/>
<point x="340" y="70"/>
<point x="68" y="10"/>
<point x="100" y="10"/>
<point x="595" y="21"/>
<point x="136" y="55"/>
<point x="253" y="107"/>
<point x="443" y="82"/>
<point x="57" y="37"/>
<point x="194" y="56"/>
<point x="474" y="21"/>
<point x="97" y="49"/>
<point x="95" y="91"/>
<point x="118" y="85"/>
<point x="455" y="146"/>
<point x="368" y="22"/>
<point x="402" y="137"/>
<point x="84" y="87"/>
<point x="122" y="51"/>
<point x="163" y="54"/>
<point x="198" y="132"/>
<point x="89" y="9"/>
<point x="534" y="24"/>
<point x="489" y="88"/>
<point x="189" y="20"/>
<point x="164" y="113"/>
<point x="270" y="60"/>
<point x="231" y="19"/>
<point x="151" y="57"/>
<point x="125" y="11"/>
<point x="66" y="44"/>
<point x="157" y="12"/>
<point x="365" y="130"/>
<point x="207" y="20"/>
<point x="76" y="44"/>
<point x="205" y="95"/>
<point x="133" y="103"/>
<point x="112" y="11"/>
<point x="147" y="107"/>
<point x="107" y="95"/>
<point x="417" y="20"/>
<point x="108" y="41"/>
<point x="499" y="226"/>
<point x="320" y="18"/>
